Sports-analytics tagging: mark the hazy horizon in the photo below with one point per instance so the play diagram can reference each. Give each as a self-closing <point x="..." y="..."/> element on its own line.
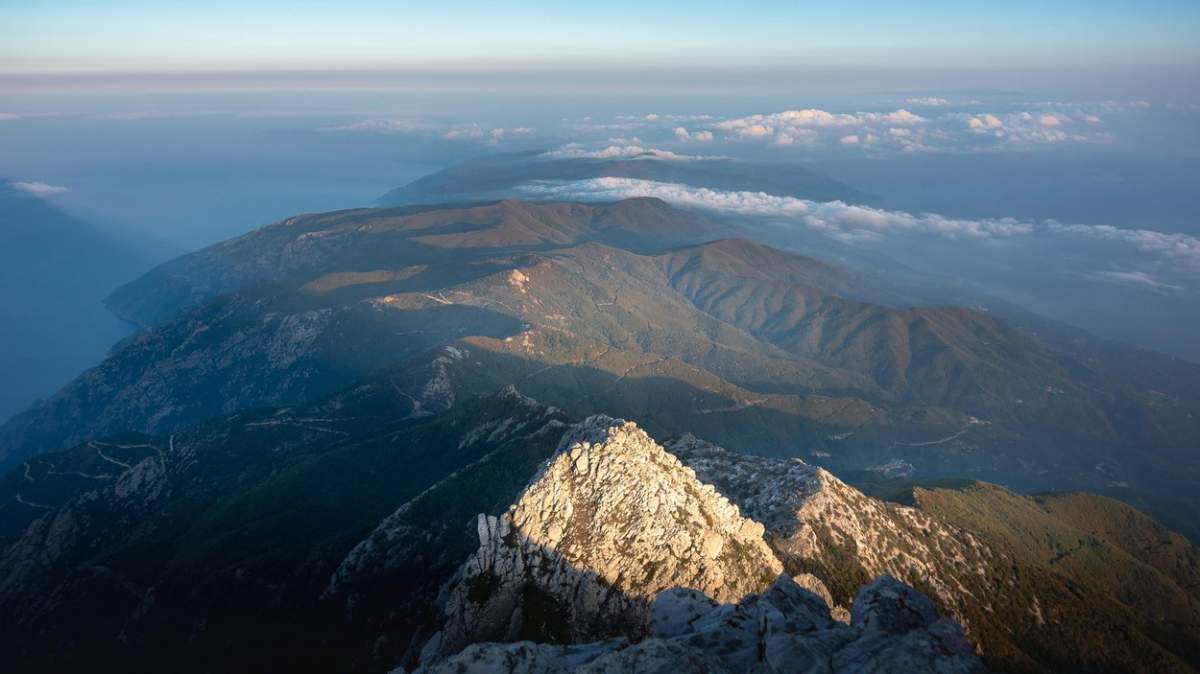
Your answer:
<point x="137" y="34"/>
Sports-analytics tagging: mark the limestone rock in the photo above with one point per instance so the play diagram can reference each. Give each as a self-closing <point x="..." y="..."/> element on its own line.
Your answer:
<point x="610" y="521"/>
<point x="785" y="629"/>
<point x="816" y="522"/>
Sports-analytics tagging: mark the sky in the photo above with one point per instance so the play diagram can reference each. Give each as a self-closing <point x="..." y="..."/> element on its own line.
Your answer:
<point x="39" y="36"/>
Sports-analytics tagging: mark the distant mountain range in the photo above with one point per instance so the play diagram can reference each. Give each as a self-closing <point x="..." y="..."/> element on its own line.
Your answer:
<point x="315" y="455"/>
<point x="1032" y="278"/>
<point x="561" y="293"/>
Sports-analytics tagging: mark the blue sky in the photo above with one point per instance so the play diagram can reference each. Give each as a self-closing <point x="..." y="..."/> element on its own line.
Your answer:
<point x="135" y="35"/>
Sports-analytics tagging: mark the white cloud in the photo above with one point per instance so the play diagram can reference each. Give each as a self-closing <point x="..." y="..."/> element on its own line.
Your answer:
<point x="984" y="123"/>
<point x="626" y="152"/>
<point x="755" y="130"/>
<point x="1182" y="248"/>
<point x="790" y="126"/>
<point x="667" y="119"/>
<point x="901" y="116"/>
<point x="927" y="101"/>
<point x="805" y="136"/>
<point x="384" y="126"/>
<point x="467" y="132"/>
<point x="849" y="140"/>
<point x="1028" y="129"/>
<point x="851" y="223"/>
<point x="38" y="188"/>
<point x="454" y="132"/>
<point x="951" y="130"/>
<point x="835" y="218"/>
<point x="10" y="116"/>
<point x="809" y="118"/>
<point x="693" y="136"/>
<point x="1136" y="279"/>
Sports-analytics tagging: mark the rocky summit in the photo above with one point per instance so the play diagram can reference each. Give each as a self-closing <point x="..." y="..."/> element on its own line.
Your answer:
<point x="616" y="558"/>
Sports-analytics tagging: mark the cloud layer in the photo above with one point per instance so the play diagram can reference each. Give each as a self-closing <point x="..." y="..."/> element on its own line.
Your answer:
<point x="577" y="151"/>
<point x="1135" y="279"/>
<point x="849" y="222"/>
<point x="37" y="188"/>
<point x="941" y="126"/>
<point x="471" y="131"/>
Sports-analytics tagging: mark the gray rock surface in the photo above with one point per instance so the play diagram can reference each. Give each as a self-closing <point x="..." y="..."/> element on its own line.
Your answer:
<point x="813" y="520"/>
<point x="610" y="521"/>
<point x="785" y="629"/>
<point x="616" y="558"/>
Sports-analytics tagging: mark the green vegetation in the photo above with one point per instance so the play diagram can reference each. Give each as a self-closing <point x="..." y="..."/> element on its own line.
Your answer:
<point x="480" y="587"/>
<point x="543" y="618"/>
<point x="245" y="537"/>
<point x="1100" y="606"/>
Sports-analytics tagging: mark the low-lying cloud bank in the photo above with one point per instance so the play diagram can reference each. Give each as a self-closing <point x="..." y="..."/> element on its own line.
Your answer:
<point x="938" y="127"/>
<point x="1136" y="279"/>
<point x="462" y="131"/>
<point x="838" y="219"/>
<point x="797" y="123"/>
<point x="577" y="151"/>
<point x="913" y="124"/>
<point x="37" y="188"/>
<point x="851" y="223"/>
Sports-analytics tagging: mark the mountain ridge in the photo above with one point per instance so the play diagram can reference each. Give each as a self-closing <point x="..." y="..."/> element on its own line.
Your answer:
<point x="765" y="328"/>
<point x="506" y="453"/>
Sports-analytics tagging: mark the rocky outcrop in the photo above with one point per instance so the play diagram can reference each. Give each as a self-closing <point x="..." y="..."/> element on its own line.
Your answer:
<point x="1023" y="611"/>
<point x="815" y="522"/>
<point x="617" y="558"/>
<point x="610" y="521"/>
<point x="786" y="629"/>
